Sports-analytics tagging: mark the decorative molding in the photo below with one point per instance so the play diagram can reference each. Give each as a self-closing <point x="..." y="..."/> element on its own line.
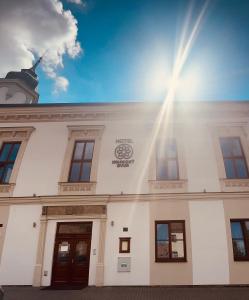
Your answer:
<point x="15" y="133"/>
<point x="85" y="132"/>
<point x="76" y="188"/>
<point x="103" y="199"/>
<point x="55" y="117"/>
<point x="6" y="190"/>
<point x="234" y="185"/>
<point x="174" y="186"/>
<point x="76" y="210"/>
<point x="208" y="111"/>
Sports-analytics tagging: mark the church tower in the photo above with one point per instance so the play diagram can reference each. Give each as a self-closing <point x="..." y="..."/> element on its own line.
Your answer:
<point x="20" y="87"/>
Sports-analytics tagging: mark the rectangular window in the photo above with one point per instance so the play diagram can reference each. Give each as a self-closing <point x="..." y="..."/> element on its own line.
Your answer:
<point x="240" y="237"/>
<point x="166" y="160"/>
<point x="170" y="241"/>
<point x="81" y="162"/>
<point x="8" y="154"/>
<point x="234" y="158"/>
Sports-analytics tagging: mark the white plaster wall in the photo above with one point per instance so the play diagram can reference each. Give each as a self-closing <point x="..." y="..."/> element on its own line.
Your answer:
<point x="20" y="247"/>
<point x="42" y="162"/>
<point x="49" y="250"/>
<point x="135" y="216"/>
<point x="209" y="242"/>
<point x="41" y="165"/>
<point x="200" y="158"/>
<point x="130" y="180"/>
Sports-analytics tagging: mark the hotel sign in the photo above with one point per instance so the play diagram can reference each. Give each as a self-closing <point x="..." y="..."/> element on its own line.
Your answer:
<point x="123" y="153"/>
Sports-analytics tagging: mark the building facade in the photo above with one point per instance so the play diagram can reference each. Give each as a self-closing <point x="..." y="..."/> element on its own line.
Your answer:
<point x="96" y="194"/>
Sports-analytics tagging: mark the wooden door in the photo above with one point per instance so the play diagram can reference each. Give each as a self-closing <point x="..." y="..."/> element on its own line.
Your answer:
<point x="71" y="257"/>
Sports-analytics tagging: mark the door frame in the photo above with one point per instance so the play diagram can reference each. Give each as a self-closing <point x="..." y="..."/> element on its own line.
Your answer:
<point x="71" y="236"/>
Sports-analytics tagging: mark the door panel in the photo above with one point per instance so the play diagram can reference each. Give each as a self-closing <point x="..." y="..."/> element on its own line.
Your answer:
<point x="62" y="261"/>
<point x="80" y="262"/>
<point x="71" y="258"/>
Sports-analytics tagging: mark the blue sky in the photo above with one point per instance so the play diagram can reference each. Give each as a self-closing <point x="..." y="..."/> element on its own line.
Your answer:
<point x="129" y="44"/>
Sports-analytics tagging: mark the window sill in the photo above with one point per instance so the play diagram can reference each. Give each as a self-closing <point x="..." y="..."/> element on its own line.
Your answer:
<point x="183" y="260"/>
<point x="6" y="190"/>
<point x="241" y="259"/>
<point x="234" y="185"/>
<point x="77" y="188"/>
<point x="169" y="186"/>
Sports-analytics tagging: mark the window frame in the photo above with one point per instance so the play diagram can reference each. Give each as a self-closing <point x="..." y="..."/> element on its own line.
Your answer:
<point x="77" y="133"/>
<point x="170" y="259"/>
<point x="124" y="239"/>
<point x="7" y="161"/>
<point x="245" y="239"/>
<point x="82" y="160"/>
<point x="167" y="159"/>
<point x="233" y="158"/>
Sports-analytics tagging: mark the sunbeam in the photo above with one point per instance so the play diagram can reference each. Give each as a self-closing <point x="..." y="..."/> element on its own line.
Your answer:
<point x="163" y="123"/>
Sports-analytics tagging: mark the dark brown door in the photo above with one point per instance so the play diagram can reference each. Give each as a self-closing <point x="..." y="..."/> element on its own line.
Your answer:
<point x="72" y="254"/>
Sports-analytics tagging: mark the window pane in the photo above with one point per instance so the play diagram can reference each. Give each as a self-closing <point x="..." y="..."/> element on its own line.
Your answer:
<point x="247" y="228"/>
<point x="176" y="227"/>
<point x="162" y="249"/>
<point x="236" y="147"/>
<point x="14" y="152"/>
<point x="75" y="172"/>
<point x="161" y="170"/>
<point x="241" y="168"/>
<point x="177" y="249"/>
<point x="86" y="171"/>
<point x="7" y="173"/>
<point x="89" y="150"/>
<point x="81" y="252"/>
<point x="78" y="152"/>
<point x="236" y="230"/>
<point x="5" y="151"/>
<point x="171" y="149"/>
<point x="75" y="228"/>
<point x="239" y="248"/>
<point x="1" y="172"/>
<point x="172" y="170"/>
<point x="226" y="147"/>
<point x="230" y="172"/>
<point x="162" y="232"/>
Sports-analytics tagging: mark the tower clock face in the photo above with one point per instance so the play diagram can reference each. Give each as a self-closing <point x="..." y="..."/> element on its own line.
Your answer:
<point x="11" y="95"/>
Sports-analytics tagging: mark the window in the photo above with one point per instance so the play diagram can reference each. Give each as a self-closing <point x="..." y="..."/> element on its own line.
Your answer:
<point x="166" y="161"/>
<point x="234" y="158"/>
<point x="81" y="162"/>
<point x="8" y="154"/>
<point x="240" y="237"/>
<point x="170" y="241"/>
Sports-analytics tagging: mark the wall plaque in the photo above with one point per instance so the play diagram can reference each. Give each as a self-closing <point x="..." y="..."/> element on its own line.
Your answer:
<point x="123" y="153"/>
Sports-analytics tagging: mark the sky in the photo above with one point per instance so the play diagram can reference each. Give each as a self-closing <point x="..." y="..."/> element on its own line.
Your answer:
<point x="126" y="50"/>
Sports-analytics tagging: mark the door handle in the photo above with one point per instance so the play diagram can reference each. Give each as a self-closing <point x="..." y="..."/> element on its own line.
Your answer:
<point x="72" y="260"/>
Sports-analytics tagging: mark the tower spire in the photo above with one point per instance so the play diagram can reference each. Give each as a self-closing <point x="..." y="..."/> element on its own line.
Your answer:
<point x="36" y="64"/>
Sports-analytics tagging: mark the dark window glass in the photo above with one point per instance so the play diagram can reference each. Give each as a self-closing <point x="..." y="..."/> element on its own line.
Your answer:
<point x="240" y="238"/>
<point x="82" y="161"/>
<point x="170" y="241"/>
<point x="166" y="160"/>
<point x="8" y="154"/>
<point x="75" y="228"/>
<point x="234" y="159"/>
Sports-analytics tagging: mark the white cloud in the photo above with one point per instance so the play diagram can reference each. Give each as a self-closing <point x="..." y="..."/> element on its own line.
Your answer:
<point x="79" y="2"/>
<point x="61" y="84"/>
<point x="40" y="27"/>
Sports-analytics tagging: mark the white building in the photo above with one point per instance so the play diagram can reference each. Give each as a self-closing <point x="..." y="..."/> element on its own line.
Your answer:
<point x="100" y="194"/>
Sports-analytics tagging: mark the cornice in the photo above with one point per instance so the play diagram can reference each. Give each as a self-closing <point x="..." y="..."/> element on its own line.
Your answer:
<point x="104" y="198"/>
<point x="182" y="111"/>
